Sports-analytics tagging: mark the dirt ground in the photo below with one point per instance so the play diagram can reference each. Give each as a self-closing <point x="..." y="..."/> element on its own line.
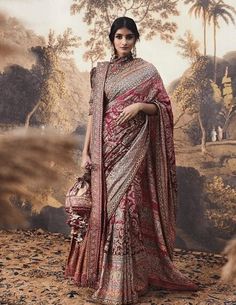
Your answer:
<point x="32" y="272"/>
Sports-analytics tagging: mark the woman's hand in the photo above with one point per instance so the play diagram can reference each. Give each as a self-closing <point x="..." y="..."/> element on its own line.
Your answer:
<point x="85" y="159"/>
<point x="128" y="113"/>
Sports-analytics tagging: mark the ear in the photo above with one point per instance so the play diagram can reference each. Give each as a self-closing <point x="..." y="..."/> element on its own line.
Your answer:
<point x="113" y="49"/>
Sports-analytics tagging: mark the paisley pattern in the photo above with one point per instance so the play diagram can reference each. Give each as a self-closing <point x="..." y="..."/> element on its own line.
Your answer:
<point x="130" y="240"/>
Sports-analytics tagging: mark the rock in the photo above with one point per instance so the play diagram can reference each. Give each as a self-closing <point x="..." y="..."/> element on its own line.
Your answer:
<point x="58" y="252"/>
<point x="40" y="231"/>
<point x="72" y="294"/>
<point x="215" y="277"/>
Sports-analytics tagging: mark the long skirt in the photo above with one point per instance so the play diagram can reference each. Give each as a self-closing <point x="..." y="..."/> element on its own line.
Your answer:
<point x="134" y="255"/>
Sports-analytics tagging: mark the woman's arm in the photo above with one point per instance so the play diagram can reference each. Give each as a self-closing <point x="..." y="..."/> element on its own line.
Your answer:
<point x="148" y="108"/>
<point x="86" y="153"/>
<point x="87" y="136"/>
<point x="133" y="109"/>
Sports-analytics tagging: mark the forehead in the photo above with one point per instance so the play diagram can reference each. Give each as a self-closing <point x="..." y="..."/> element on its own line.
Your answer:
<point x="124" y="31"/>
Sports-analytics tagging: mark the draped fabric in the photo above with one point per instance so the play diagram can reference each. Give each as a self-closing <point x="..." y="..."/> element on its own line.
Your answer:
<point x="130" y="239"/>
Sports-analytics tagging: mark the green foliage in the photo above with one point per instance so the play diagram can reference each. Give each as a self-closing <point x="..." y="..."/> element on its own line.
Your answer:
<point x="22" y="87"/>
<point x="217" y="95"/>
<point x="220" y="204"/>
<point x="200" y="9"/>
<point x="199" y="6"/>
<point x="189" y="47"/>
<point x="53" y="88"/>
<point x="20" y="90"/>
<point x="194" y="96"/>
<point x="212" y="11"/>
<point x="50" y="106"/>
<point x="151" y="16"/>
<point x="194" y="89"/>
<point x="219" y="9"/>
<point x="62" y="44"/>
<point x="194" y="133"/>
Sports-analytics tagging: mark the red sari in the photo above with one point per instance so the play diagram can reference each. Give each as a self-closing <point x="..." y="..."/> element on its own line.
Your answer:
<point x="130" y="239"/>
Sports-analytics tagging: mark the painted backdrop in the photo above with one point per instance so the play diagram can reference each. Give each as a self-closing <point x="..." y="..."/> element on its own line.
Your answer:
<point x="47" y="49"/>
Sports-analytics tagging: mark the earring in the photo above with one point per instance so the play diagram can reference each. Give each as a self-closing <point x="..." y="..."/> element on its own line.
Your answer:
<point x="134" y="53"/>
<point x="113" y="53"/>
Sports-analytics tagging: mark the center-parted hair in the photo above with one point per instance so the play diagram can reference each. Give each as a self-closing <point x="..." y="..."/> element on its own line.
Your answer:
<point x="123" y="22"/>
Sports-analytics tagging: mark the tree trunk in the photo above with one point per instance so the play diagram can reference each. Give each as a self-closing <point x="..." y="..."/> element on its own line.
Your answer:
<point x="29" y="115"/>
<point x="203" y="141"/>
<point x="204" y="26"/>
<point x="215" y="51"/>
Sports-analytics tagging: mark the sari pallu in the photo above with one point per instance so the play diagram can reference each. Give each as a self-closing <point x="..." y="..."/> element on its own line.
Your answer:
<point x="131" y="234"/>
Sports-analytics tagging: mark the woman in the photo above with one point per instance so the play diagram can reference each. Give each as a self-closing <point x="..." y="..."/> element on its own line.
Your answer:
<point x="129" y="140"/>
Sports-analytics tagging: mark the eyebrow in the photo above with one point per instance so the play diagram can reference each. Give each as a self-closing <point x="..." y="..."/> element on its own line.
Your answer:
<point x="131" y="34"/>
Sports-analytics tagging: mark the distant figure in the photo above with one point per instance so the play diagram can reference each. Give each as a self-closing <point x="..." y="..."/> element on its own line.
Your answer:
<point x="213" y="135"/>
<point x="220" y="133"/>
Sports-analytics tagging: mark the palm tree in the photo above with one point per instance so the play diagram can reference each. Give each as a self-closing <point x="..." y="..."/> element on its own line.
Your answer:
<point x="200" y="8"/>
<point x="218" y="10"/>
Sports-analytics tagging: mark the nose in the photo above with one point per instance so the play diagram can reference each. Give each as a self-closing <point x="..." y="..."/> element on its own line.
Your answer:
<point x="124" y="41"/>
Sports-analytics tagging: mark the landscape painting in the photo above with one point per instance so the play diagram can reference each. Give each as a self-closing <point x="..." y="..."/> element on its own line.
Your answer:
<point x="47" y="49"/>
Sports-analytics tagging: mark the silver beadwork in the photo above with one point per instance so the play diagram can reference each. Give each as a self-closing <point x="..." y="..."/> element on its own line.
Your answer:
<point x="134" y="53"/>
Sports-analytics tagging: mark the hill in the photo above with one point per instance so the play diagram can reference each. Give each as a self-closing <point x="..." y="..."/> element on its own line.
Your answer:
<point x="20" y="80"/>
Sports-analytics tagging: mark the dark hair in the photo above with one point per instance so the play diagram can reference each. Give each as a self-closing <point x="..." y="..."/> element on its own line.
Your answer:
<point x="123" y="22"/>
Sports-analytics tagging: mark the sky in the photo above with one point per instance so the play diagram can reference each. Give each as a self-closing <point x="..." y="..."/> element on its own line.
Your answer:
<point x="41" y="15"/>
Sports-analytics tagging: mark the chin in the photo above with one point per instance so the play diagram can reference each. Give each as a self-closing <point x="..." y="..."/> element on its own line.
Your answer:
<point x="124" y="53"/>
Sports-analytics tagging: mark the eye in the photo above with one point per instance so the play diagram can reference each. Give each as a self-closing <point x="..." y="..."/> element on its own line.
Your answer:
<point x="118" y="36"/>
<point x="130" y="36"/>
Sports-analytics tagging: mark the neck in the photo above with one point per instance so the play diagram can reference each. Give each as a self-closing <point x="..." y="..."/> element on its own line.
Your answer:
<point x="120" y="56"/>
<point x="122" y="59"/>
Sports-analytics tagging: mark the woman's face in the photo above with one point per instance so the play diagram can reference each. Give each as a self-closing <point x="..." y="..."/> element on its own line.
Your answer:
<point x="124" y="41"/>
